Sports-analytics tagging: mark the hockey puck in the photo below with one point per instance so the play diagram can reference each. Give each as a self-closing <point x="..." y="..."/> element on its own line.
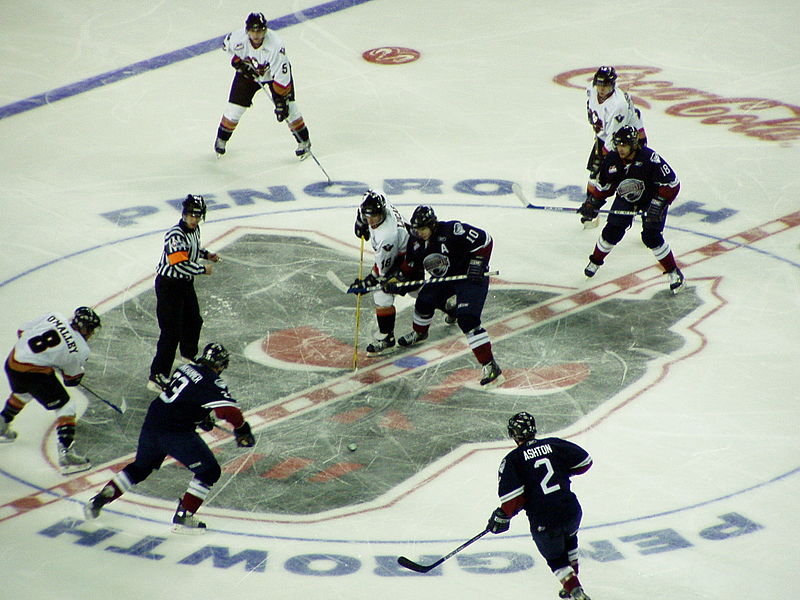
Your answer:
<point x="352" y="447"/>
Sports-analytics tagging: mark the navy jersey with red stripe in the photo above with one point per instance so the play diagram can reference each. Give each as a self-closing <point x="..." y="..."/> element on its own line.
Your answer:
<point x="536" y="476"/>
<point x="456" y="241"/>
<point x="193" y="392"/>
<point x="648" y="175"/>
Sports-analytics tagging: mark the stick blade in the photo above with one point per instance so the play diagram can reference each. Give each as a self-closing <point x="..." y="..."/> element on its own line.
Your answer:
<point x="410" y="564"/>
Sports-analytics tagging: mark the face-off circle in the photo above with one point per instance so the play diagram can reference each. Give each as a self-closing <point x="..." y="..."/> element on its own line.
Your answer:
<point x="390" y="55"/>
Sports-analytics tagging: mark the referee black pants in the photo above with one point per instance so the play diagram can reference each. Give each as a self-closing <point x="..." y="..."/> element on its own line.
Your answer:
<point x="180" y="322"/>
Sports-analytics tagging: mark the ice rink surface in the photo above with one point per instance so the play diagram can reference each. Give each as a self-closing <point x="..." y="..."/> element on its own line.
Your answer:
<point x="688" y="404"/>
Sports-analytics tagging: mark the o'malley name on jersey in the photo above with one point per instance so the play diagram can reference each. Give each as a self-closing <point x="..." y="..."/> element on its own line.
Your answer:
<point x="65" y="332"/>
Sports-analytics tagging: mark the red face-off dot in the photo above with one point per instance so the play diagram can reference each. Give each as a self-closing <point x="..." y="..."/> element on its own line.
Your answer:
<point x="391" y="55"/>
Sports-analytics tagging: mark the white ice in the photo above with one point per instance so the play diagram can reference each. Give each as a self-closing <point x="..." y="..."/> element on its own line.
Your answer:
<point x="715" y="434"/>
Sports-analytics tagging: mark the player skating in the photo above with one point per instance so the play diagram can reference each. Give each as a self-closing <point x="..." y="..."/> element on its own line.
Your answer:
<point x="535" y="477"/>
<point x="608" y="109"/>
<point x="446" y="248"/>
<point x="169" y="429"/>
<point x="259" y="57"/>
<point x="48" y="344"/>
<point x="642" y="182"/>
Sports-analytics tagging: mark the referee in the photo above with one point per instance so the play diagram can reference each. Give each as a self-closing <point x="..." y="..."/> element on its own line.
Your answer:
<point x="177" y="309"/>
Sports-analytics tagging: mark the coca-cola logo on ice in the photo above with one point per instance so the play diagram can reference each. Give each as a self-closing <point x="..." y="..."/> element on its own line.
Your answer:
<point x="768" y="120"/>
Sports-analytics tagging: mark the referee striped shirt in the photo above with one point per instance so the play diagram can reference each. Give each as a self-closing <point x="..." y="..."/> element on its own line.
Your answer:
<point x="181" y="254"/>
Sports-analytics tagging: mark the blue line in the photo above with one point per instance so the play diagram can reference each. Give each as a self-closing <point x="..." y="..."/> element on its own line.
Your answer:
<point x="164" y="60"/>
<point x="295" y="210"/>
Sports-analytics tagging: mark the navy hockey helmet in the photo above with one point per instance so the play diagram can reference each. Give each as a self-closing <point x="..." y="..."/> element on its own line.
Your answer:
<point x="85" y="320"/>
<point x="626" y="135"/>
<point x="195" y="206"/>
<point x="605" y="76"/>
<point x="372" y="204"/>
<point x="256" y="22"/>
<point x="423" y="216"/>
<point x="215" y="356"/>
<point x="522" y="427"/>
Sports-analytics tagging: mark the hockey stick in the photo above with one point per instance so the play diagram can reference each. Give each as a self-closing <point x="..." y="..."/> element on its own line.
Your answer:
<point x="358" y="307"/>
<point x="335" y="281"/>
<point x="120" y="409"/>
<point x="402" y="284"/>
<point x="517" y="189"/>
<point x="410" y="564"/>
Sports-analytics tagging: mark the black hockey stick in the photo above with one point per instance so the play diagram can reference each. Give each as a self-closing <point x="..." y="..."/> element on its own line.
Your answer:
<point x="517" y="189"/>
<point x="120" y="409"/>
<point x="410" y="564"/>
<point x="402" y="284"/>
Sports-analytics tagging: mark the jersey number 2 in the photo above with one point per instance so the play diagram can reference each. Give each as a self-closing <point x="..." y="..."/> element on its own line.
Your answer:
<point x="547" y="488"/>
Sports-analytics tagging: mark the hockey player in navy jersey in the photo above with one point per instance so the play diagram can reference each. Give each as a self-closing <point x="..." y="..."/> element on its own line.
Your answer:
<point x="193" y="393"/>
<point x="643" y="182"/>
<point x="446" y="248"/>
<point x="535" y="476"/>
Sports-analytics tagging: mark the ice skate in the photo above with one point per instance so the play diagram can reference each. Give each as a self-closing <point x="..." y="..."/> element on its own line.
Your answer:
<point x="7" y="435"/>
<point x="219" y="146"/>
<point x="563" y="593"/>
<point x="579" y="594"/>
<point x="675" y="280"/>
<point x="71" y="462"/>
<point x="185" y="522"/>
<point x="92" y="508"/>
<point x="157" y="383"/>
<point x="591" y="268"/>
<point x="412" y="338"/>
<point x="303" y="150"/>
<point x="492" y="375"/>
<point x="381" y="344"/>
<point x="450" y="310"/>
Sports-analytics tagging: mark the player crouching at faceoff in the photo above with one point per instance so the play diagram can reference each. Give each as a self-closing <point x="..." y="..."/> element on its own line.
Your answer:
<point x="443" y="249"/>
<point x="643" y="182"/>
<point x="380" y="223"/>
<point x="169" y="428"/>
<point x="536" y="476"/>
<point x="45" y="345"/>
<point x="259" y="57"/>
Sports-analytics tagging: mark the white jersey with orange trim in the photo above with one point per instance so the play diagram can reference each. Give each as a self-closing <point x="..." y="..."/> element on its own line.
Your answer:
<point x="389" y="240"/>
<point x="51" y="342"/>
<point x="614" y="112"/>
<point x="269" y="60"/>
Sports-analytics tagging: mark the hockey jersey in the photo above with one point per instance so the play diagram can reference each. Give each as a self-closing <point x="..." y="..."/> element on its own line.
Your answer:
<point x="193" y="392"/>
<point x="614" y="112"/>
<point x="536" y="476"/>
<point x="455" y="242"/>
<point x="648" y="176"/>
<point x="49" y="343"/>
<point x="269" y="60"/>
<point x="389" y="240"/>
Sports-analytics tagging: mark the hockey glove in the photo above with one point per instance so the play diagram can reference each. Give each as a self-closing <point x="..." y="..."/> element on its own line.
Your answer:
<point x="207" y="424"/>
<point x="590" y="208"/>
<point x="244" y="67"/>
<point x="244" y="437"/>
<point x="390" y="285"/>
<point x="359" y="286"/>
<point x="499" y="521"/>
<point x="655" y="212"/>
<point x="281" y="109"/>
<point x="360" y="228"/>
<point x="476" y="269"/>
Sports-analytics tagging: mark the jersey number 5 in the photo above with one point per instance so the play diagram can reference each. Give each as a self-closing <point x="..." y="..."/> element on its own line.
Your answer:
<point x="547" y="488"/>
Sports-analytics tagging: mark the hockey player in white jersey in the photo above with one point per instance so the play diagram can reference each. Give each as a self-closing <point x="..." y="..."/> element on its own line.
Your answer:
<point x="259" y="57"/>
<point x="609" y="108"/>
<point x="48" y="344"/>
<point x="384" y="227"/>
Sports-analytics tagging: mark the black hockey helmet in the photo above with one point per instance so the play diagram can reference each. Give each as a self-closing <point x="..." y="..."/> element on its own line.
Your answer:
<point x="195" y="206"/>
<point x="605" y="76"/>
<point x="85" y="320"/>
<point x="256" y="22"/>
<point x="215" y="356"/>
<point x="372" y="204"/>
<point x="522" y="427"/>
<point x="627" y="135"/>
<point x="423" y="216"/>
